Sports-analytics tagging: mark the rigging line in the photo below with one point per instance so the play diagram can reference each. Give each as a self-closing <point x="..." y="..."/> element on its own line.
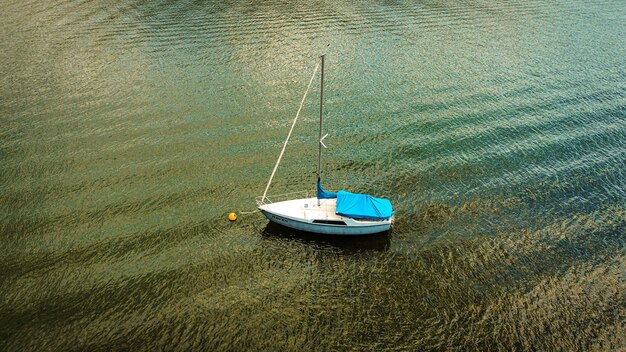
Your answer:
<point x="289" y="135"/>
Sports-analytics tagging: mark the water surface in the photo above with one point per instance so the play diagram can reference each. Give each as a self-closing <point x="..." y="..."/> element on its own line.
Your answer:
<point x="130" y="129"/>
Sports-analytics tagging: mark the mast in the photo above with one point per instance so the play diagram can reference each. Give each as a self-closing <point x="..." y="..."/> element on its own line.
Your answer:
<point x="319" y="154"/>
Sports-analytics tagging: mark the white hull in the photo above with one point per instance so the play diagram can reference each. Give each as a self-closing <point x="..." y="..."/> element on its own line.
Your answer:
<point x="306" y="215"/>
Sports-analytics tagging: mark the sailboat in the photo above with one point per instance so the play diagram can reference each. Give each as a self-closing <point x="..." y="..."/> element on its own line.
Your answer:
<point x="333" y="213"/>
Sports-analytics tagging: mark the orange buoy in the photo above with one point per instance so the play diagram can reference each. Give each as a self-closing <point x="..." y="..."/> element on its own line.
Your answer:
<point x="232" y="217"/>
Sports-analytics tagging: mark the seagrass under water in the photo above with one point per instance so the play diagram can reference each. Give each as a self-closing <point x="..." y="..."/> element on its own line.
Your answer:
<point x="129" y="130"/>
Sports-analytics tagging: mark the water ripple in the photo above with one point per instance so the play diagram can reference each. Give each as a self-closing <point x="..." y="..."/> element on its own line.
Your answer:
<point x="130" y="129"/>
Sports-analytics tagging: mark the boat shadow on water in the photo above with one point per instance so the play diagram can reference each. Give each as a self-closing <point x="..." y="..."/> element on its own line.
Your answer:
<point x="347" y="244"/>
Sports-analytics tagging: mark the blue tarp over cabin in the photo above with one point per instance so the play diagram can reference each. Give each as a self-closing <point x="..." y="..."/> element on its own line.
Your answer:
<point x="363" y="206"/>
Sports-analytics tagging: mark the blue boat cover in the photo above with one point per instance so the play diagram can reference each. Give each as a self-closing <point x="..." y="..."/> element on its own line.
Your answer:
<point x="363" y="206"/>
<point x="324" y="194"/>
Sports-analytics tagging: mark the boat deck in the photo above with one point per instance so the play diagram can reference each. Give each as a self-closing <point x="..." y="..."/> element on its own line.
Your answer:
<point x="307" y="209"/>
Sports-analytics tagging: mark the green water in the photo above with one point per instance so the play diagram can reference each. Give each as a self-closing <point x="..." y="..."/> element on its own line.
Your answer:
<point x="130" y="129"/>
